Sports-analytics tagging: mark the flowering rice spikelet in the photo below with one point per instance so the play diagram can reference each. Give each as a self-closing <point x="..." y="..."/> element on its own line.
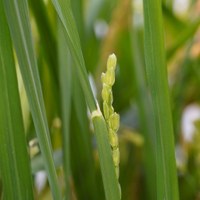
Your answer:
<point x="111" y="117"/>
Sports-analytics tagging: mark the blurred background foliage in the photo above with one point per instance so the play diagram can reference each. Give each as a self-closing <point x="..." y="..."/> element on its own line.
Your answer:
<point x="106" y="27"/>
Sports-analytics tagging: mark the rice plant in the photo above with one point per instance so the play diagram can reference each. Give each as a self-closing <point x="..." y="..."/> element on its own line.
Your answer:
<point x="99" y="99"/>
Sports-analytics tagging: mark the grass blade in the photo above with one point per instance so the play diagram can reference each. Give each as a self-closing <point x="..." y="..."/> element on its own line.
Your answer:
<point x="78" y="12"/>
<point x="64" y="12"/>
<point x="145" y="110"/>
<point x="48" y="41"/>
<point x="18" y="20"/>
<point x="15" y="167"/>
<point x="65" y="74"/>
<point x="107" y="169"/>
<point x="157" y="79"/>
<point x="82" y="158"/>
<point x="110" y="182"/>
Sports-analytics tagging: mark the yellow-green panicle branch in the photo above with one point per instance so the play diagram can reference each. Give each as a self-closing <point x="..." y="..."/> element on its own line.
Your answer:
<point x="111" y="117"/>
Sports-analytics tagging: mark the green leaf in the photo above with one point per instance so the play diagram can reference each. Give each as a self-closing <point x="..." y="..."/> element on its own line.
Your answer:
<point x="64" y="12"/>
<point x="78" y="13"/>
<point x="15" y="167"/>
<point x="82" y="157"/>
<point x="157" y="79"/>
<point x="108" y="171"/>
<point x="47" y="41"/>
<point x="110" y="182"/>
<point x="65" y="74"/>
<point x="145" y="111"/>
<point x="18" y="20"/>
<point x="45" y="44"/>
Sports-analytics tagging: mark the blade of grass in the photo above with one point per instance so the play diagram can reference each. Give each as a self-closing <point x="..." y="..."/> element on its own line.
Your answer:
<point x="46" y="57"/>
<point x="1" y="192"/>
<point x="77" y="8"/>
<point x="157" y="79"/>
<point x="50" y="91"/>
<point x="15" y="167"/>
<point x="18" y="21"/>
<point x="145" y="110"/>
<point x="82" y="158"/>
<point x="107" y="169"/>
<point x="48" y="41"/>
<point x="65" y="74"/>
<point x="64" y="12"/>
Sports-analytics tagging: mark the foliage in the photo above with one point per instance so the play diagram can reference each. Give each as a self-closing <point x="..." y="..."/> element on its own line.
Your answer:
<point x="52" y="55"/>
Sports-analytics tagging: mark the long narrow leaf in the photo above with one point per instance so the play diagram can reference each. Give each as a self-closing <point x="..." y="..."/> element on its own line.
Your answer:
<point x="14" y="161"/>
<point x="107" y="169"/>
<point x="157" y="79"/>
<point x="65" y="74"/>
<point x="48" y="40"/>
<point x="65" y="14"/>
<point x="82" y="157"/>
<point x="110" y="182"/>
<point x="145" y="110"/>
<point x="18" y="20"/>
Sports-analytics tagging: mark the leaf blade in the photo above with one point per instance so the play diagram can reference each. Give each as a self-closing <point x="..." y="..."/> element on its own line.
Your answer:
<point x="18" y="21"/>
<point x="157" y="79"/>
<point x="15" y="167"/>
<point x="65" y="92"/>
<point x="107" y="167"/>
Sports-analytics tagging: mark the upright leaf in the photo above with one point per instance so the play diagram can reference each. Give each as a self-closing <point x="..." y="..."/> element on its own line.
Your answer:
<point x="64" y="12"/>
<point x="18" y="21"/>
<point x="48" y="41"/>
<point x="65" y="62"/>
<point x="14" y="161"/>
<point x="82" y="157"/>
<point x="157" y="79"/>
<point x="146" y="121"/>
